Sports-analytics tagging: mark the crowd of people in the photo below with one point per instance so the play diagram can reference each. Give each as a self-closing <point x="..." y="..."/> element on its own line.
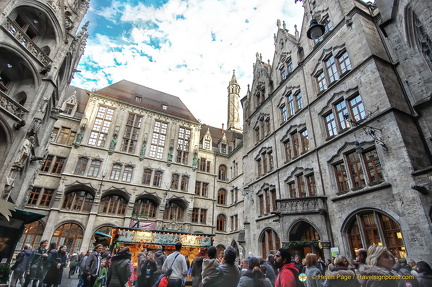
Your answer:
<point x="98" y="268"/>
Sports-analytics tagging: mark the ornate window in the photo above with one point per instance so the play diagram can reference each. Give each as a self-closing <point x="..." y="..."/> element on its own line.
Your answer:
<point x="147" y="176"/>
<point x="173" y="212"/>
<point x="40" y="196"/>
<point x="311" y="184"/>
<point x="145" y="206"/>
<point x="78" y="201"/>
<point x="199" y="215"/>
<point x="115" y="171"/>
<point x="157" y="179"/>
<point x="334" y="68"/>
<point x="94" y="168"/>
<point x="69" y="234"/>
<point x="130" y="137"/>
<point x="127" y="173"/>
<point x="68" y="109"/>
<point x="221" y="222"/>
<point x="158" y="140"/>
<point x="183" y="145"/>
<point x="184" y="183"/>
<point x="375" y="228"/>
<point x="204" y="165"/>
<point x="65" y="136"/>
<point x="113" y="204"/>
<point x="302" y="185"/>
<point x="341" y="176"/>
<point x="222" y="196"/>
<point x="201" y="188"/>
<point x="58" y="165"/>
<point x="81" y="166"/>
<point x="175" y="181"/>
<point x="99" y="132"/>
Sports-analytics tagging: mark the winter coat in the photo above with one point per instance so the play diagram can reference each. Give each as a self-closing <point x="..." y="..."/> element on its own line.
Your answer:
<point x="424" y="280"/>
<point x="225" y="275"/>
<point x="22" y="260"/>
<point x="37" y="263"/>
<point x="147" y="277"/>
<point x="208" y="266"/>
<point x="270" y="274"/>
<point x="92" y="264"/>
<point x="341" y="277"/>
<point x="197" y="271"/>
<point x="311" y="282"/>
<point x="287" y="276"/>
<point x="372" y="270"/>
<point x="248" y="280"/>
<point x="54" y="274"/>
<point x="119" y="271"/>
<point x="160" y="259"/>
<point x="101" y="279"/>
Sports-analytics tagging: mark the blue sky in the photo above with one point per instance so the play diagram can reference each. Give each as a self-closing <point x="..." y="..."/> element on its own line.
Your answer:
<point x="187" y="48"/>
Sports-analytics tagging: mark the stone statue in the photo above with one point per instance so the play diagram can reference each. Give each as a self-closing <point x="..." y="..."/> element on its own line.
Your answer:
<point x="195" y="160"/>
<point x="113" y="144"/>
<point x="142" y="151"/>
<point x="24" y="152"/>
<point x="170" y="155"/>
<point x="79" y="137"/>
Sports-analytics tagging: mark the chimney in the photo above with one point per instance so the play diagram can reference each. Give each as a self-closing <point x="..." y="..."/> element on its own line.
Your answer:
<point x="223" y="128"/>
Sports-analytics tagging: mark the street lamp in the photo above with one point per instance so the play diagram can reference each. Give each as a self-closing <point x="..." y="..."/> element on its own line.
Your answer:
<point x="315" y="30"/>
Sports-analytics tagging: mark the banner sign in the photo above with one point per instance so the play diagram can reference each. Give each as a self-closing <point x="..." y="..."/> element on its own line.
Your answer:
<point x="163" y="238"/>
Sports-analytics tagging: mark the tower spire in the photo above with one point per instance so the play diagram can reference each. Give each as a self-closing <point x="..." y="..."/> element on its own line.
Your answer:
<point x="234" y="104"/>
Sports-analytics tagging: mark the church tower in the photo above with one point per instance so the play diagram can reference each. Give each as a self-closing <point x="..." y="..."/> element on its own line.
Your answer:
<point x="234" y="105"/>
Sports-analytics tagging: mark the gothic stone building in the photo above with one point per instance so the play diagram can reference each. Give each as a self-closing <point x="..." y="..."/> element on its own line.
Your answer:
<point x="40" y="46"/>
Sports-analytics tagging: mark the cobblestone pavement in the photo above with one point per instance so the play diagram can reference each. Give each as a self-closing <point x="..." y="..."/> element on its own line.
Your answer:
<point x="66" y="282"/>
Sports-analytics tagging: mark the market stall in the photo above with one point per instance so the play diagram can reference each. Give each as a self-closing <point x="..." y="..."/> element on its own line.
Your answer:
<point x="139" y="239"/>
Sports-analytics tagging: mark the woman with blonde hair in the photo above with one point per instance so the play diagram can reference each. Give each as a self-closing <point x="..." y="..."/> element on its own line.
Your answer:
<point x="378" y="269"/>
<point x="312" y="272"/>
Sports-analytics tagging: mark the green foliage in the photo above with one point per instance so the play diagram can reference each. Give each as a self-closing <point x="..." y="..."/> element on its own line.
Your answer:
<point x="301" y="243"/>
<point x="4" y="272"/>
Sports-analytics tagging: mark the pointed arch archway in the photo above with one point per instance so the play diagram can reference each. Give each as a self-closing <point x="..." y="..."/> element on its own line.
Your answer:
<point x="303" y="239"/>
<point x="32" y="235"/>
<point x="69" y="234"/>
<point x="269" y="240"/>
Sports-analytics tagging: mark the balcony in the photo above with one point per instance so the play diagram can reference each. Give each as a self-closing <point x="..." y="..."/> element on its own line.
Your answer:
<point x="12" y="107"/>
<point x="302" y="205"/>
<point x="15" y="31"/>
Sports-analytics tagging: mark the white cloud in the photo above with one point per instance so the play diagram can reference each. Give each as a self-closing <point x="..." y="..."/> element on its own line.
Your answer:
<point x="189" y="64"/>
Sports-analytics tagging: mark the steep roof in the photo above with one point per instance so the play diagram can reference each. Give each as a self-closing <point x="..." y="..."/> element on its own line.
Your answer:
<point x="151" y="99"/>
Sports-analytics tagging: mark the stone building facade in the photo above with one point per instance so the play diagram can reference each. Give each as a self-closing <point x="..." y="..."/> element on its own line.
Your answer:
<point x="335" y="150"/>
<point x="338" y="132"/>
<point x="40" y="46"/>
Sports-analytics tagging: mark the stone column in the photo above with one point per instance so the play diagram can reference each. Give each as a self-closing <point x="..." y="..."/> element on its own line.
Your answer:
<point x="326" y="249"/>
<point x="88" y="233"/>
<point x="51" y="222"/>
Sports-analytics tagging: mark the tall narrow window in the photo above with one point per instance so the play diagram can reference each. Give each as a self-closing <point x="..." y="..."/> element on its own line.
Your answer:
<point x="158" y="140"/>
<point x="183" y="145"/>
<point x="184" y="183"/>
<point x="292" y="189"/>
<point x="81" y="166"/>
<point x="157" y="179"/>
<point x="296" y="144"/>
<point x="99" y="132"/>
<point x="115" y="171"/>
<point x="127" y="173"/>
<point x="304" y="140"/>
<point x="291" y="105"/>
<point x="311" y="185"/>
<point x="287" y="148"/>
<point x="220" y="222"/>
<point x="332" y="69"/>
<point x="47" y="164"/>
<point x="321" y="80"/>
<point x="147" y="176"/>
<point x="94" y="168"/>
<point x="341" y="111"/>
<point x="175" y="181"/>
<point x="357" y="108"/>
<point x="58" y="165"/>
<point x="130" y="136"/>
<point x="222" y="197"/>
<point x="301" y="186"/>
<point x="373" y="166"/>
<point x="344" y="62"/>
<point x="222" y="172"/>
<point x="330" y="125"/>
<point x="299" y="101"/>
<point x="284" y="113"/>
<point x="341" y="177"/>
<point x="356" y="171"/>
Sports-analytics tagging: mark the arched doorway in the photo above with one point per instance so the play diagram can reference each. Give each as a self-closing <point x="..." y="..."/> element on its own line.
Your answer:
<point x="69" y="234"/>
<point x="269" y="241"/>
<point x="102" y="236"/>
<point x="371" y="227"/>
<point x="304" y="239"/>
<point x="32" y="235"/>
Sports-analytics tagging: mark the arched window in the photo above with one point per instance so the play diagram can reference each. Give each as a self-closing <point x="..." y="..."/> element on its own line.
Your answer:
<point x="69" y="234"/>
<point x="269" y="240"/>
<point x="146" y="207"/>
<point x="32" y="235"/>
<point x="81" y="166"/>
<point x="78" y="200"/>
<point x="174" y="211"/>
<point x="222" y="196"/>
<point x="221" y="222"/>
<point x="113" y="204"/>
<point x="364" y="228"/>
<point x="222" y="172"/>
<point x="94" y="168"/>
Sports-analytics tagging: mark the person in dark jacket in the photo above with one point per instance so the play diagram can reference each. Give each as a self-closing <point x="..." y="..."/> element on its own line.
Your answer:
<point x="148" y="269"/>
<point x="379" y="262"/>
<point x="35" y="269"/>
<point x="340" y="275"/>
<point x="160" y="258"/>
<point x="227" y="274"/>
<point x="403" y="269"/>
<point x="20" y="265"/>
<point x="424" y="274"/>
<point x="254" y="276"/>
<point x="197" y="271"/>
<point x="269" y="271"/>
<point x="92" y="266"/>
<point x="119" y="271"/>
<point x="57" y="262"/>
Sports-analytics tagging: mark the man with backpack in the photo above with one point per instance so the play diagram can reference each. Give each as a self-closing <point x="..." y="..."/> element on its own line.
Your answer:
<point x="175" y="267"/>
<point x="288" y="273"/>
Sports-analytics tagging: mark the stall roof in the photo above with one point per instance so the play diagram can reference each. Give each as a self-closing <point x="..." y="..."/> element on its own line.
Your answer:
<point x="27" y="216"/>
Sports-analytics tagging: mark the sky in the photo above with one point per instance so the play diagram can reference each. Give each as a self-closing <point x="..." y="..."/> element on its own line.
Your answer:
<point x="186" y="48"/>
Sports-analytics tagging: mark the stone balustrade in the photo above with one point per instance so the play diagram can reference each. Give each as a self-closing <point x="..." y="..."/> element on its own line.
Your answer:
<point x="302" y="205"/>
<point x="12" y="106"/>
